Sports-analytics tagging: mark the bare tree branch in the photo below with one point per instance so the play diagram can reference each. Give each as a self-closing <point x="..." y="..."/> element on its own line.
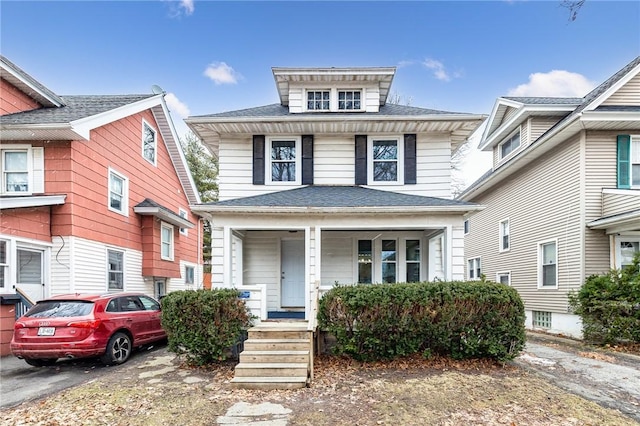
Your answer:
<point x="573" y="6"/>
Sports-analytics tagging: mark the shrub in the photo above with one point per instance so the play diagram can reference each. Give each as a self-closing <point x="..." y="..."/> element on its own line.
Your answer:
<point x="203" y="324"/>
<point x="609" y="305"/>
<point x="457" y="319"/>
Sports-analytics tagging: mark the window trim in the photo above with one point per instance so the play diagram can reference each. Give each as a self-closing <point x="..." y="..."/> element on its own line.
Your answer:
<point x="353" y="91"/>
<point x="540" y="269"/>
<point x="509" y="141"/>
<point x="315" y="90"/>
<point x="28" y="149"/>
<point x="298" y="160"/>
<point x="125" y="192"/>
<point x="167" y="226"/>
<point x="503" y="273"/>
<point x="122" y="272"/>
<point x="154" y="162"/>
<point x="632" y="139"/>
<point x="477" y="267"/>
<point x="501" y="248"/>
<point x="399" y="160"/>
<point x="183" y="214"/>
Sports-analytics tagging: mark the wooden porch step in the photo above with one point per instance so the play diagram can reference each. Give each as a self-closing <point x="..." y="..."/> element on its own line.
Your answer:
<point x="269" y="383"/>
<point x="272" y="369"/>
<point x="276" y="344"/>
<point x="274" y="356"/>
<point x="278" y="333"/>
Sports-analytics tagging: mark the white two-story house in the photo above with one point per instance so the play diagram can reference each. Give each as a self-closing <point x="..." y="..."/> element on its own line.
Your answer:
<point x="563" y="197"/>
<point x="332" y="185"/>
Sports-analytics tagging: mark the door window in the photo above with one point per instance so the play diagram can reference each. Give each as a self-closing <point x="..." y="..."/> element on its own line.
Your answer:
<point x="29" y="267"/>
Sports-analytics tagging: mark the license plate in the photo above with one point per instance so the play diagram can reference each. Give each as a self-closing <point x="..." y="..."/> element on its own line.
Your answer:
<point x="46" y="331"/>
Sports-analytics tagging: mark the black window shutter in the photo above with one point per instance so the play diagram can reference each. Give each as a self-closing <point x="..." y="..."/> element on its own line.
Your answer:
<point x="258" y="159"/>
<point x="307" y="159"/>
<point x="410" y="159"/>
<point x="361" y="160"/>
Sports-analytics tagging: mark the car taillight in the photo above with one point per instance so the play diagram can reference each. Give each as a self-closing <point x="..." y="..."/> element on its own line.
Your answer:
<point x="19" y="325"/>
<point x="93" y="324"/>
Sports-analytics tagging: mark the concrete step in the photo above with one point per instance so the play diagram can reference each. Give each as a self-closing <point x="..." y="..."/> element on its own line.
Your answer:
<point x="274" y="356"/>
<point x="272" y="369"/>
<point x="276" y="344"/>
<point x="269" y="383"/>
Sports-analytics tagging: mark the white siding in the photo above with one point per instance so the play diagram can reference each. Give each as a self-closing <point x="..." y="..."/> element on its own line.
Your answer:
<point x="296" y="99"/>
<point x="542" y="203"/>
<point x="629" y="94"/>
<point x="61" y="266"/>
<point x="624" y="201"/>
<point x="334" y="160"/>
<point x="262" y="263"/>
<point x="539" y="125"/>
<point x="338" y="263"/>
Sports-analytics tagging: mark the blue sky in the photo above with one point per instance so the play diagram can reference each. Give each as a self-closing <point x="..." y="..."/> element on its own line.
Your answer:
<point x="212" y="56"/>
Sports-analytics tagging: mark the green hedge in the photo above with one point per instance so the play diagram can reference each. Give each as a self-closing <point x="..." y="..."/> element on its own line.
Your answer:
<point x="204" y="324"/>
<point x="609" y="306"/>
<point x="457" y="319"/>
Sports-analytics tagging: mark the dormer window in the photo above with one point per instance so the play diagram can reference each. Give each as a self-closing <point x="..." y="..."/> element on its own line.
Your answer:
<point x="318" y="100"/>
<point x="510" y="145"/>
<point x="349" y="100"/>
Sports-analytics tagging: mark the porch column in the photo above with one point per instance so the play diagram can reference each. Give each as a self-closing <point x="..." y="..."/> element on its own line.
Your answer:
<point x="227" y="258"/>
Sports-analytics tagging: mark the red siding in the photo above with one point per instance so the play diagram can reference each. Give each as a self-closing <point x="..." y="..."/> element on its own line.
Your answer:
<point x="13" y="100"/>
<point x="152" y="263"/>
<point x="26" y="223"/>
<point x="7" y="320"/>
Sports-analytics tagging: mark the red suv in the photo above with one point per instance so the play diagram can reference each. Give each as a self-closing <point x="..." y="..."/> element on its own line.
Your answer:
<point x="82" y="325"/>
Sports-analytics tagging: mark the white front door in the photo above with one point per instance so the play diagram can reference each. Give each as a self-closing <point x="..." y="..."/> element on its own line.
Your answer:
<point x="292" y="274"/>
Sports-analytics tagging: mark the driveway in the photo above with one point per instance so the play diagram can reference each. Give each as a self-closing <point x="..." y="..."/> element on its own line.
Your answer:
<point x="20" y="382"/>
<point x="608" y="378"/>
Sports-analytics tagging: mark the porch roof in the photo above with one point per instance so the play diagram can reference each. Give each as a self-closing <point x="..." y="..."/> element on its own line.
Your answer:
<point x="325" y="199"/>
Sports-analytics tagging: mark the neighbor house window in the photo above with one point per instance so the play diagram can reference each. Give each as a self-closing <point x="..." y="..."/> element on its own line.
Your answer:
<point x="505" y="242"/>
<point x="318" y="100"/>
<point x="474" y="268"/>
<point x="412" y="250"/>
<point x="386" y="160"/>
<point x="166" y="241"/>
<point x="349" y="100"/>
<point x="284" y="160"/>
<point x="189" y="275"/>
<point x="4" y="264"/>
<point x="118" y="192"/>
<point x="365" y="261"/>
<point x="510" y="145"/>
<point x="626" y="249"/>
<point x="115" y="269"/>
<point x="635" y="162"/>
<point x="389" y="261"/>
<point x="183" y="214"/>
<point x="548" y="268"/>
<point x="149" y="143"/>
<point x="541" y="319"/>
<point x="466" y="226"/>
<point x="503" y="278"/>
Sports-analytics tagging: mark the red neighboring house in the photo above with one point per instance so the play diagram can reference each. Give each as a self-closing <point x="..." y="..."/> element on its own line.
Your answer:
<point x="95" y="194"/>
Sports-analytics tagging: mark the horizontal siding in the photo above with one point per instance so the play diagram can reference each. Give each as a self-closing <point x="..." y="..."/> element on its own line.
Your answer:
<point x="539" y="125"/>
<point x="338" y="263"/>
<point x="262" y="263"/>
<point x="296" y="99"/>
<point x="629" y="94"/>
<point x="509" y="113"/>
<point x="543" y="203"/>
<point x="600" y="169"/>
<point x="334" y="164"/>
<point x="620" y="203"/>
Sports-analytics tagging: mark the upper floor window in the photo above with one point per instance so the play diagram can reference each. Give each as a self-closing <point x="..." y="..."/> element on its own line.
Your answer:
<point x="635" y="162"/>
<point x="183" y="214"/>
<point x="118" y="192"/>
<point x="349" y="100"/>
<point x="22" y="169"/>
<point x="115" y="269"/>
<point x="318" y="100"/>
<point x="466" y="226"/>
<point x="548" y="264"/>
<point x="149" y="143"/>
<point x="166" y="241"/>
<point x="505" y="241"/>
<point x="386" y="160"/>
<point x="474" y="268"/>
<point x="510" y="145"/>
<point x="284" y="160"/>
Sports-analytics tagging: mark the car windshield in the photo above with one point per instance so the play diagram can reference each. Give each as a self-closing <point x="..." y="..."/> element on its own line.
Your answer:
<point x="60" y="308"/>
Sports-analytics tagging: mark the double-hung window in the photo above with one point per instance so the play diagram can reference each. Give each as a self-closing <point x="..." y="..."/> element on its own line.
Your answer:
<point x="149" y="143"/>
<point x="118" y="192"/>
<point x="510" y="145"/>
<point x="389" y="260"/>
<point x="635" y="161"/>
<point x="4" y="263"/>
<point x="318" y="100"/>
<point x="474" y="268"/>
<point x="115" y="270"/>
<point x="386" y="161"/>
<point x="166" y="241"/>
<point x="548" y="264"/>
<point x="21" y="169"/>
<point x="349" y="100"/>
<point x="412" y="259"/>
<point x="365" y="261"/>
<point x="284" y="160"/>
<point x="189" y="275"/>
<point x="505" y="241"/>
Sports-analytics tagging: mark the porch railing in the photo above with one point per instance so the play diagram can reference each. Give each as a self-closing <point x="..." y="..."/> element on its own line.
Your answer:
<point x="24" y="304"/>
<point x="313" y="323"/>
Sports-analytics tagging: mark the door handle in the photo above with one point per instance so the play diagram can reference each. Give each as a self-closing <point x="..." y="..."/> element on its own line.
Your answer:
<point x="283" y="275"/>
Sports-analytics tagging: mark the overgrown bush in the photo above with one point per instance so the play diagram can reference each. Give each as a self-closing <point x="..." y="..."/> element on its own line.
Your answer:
<point x="609" y="305"/>
<point x="457" y="319"/>
<point x="203" y="324"/>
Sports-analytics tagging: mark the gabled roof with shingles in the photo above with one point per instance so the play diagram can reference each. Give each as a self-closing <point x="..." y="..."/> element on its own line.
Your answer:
<point x="27" y="84"/>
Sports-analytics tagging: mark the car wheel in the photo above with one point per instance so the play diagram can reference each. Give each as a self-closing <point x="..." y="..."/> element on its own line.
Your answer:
<point x="40" y="362"/>
<point x="118" y="349"/>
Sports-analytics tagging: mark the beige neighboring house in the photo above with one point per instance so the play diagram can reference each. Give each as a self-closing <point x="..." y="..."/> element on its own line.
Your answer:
<point x="563" y="197"/>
